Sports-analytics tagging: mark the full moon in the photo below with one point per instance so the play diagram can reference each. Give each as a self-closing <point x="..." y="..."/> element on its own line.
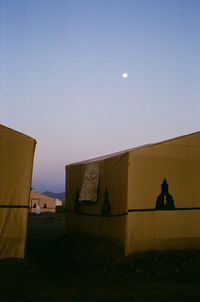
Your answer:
<point x="125" y="75"/>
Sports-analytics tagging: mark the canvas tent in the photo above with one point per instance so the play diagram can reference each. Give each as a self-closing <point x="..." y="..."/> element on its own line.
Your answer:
<point x="16" y="162"/>
<point x="146" y="198"/>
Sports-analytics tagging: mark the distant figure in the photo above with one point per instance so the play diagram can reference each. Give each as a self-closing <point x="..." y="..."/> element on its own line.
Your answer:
<point x="77" y="207"/>
<point x="165" y="200"/>
<point x="37" y="209"/>
<point x="106" y="209"/>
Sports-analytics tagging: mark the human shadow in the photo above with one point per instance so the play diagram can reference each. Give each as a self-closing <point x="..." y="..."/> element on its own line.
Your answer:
<point x="165" y="200"/>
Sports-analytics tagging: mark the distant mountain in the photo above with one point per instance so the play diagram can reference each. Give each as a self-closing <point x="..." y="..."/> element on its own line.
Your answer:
<point x="60" y="196"/>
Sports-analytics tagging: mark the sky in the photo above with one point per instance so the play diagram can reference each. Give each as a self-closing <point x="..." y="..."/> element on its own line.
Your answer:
<point x="61" y="77"/>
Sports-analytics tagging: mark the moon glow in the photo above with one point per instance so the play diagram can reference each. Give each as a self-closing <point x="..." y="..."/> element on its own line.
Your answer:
<point x="125" y="75"/>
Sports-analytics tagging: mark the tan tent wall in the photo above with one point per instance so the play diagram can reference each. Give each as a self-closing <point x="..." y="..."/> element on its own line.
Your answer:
<point x="113" y="177"/>
<point x="133" y="179"/>
<point x="160" y="230"/>
<point x="13" y="227"/>
<point x="177" y="161"/>
<point x="16" y="162"/>
<point x="42" y="200"/>
<point x="108" y="227"/>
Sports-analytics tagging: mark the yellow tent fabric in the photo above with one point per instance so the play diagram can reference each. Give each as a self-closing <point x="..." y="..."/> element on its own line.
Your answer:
<point x="147" y="197"/>
<point x="16" y="163"/>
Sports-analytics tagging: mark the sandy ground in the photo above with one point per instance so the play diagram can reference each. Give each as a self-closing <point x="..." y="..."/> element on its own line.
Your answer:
<point x="66" y="268"/>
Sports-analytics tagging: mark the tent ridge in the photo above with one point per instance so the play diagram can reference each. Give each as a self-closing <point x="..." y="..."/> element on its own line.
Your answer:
<point x="15" y="131"/>
<point x="125" y="151"/>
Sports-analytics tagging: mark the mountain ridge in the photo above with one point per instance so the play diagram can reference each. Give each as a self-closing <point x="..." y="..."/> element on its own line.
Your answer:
<point x="60" y="196"/>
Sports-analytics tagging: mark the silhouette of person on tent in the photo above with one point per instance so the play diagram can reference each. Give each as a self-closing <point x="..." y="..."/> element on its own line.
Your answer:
<point x="164" y="200"/>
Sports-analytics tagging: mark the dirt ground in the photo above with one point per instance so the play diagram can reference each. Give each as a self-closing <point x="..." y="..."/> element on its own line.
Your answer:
<point x="67" y="268"/>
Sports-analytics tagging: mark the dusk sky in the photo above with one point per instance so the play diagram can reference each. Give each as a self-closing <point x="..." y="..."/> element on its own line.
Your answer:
<point x="61" y="76"/>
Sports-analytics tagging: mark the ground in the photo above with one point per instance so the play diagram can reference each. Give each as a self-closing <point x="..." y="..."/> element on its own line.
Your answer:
<point x="67" y="268"/>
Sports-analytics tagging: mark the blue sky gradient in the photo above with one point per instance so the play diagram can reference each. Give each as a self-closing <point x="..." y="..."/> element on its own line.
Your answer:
<point x="61" y="76"/>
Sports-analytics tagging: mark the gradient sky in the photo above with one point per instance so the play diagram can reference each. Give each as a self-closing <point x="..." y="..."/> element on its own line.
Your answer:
<point x="61" y="76"/>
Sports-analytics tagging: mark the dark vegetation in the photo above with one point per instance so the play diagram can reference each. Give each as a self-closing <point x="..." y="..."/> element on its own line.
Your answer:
<point x="61" y="268"/>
